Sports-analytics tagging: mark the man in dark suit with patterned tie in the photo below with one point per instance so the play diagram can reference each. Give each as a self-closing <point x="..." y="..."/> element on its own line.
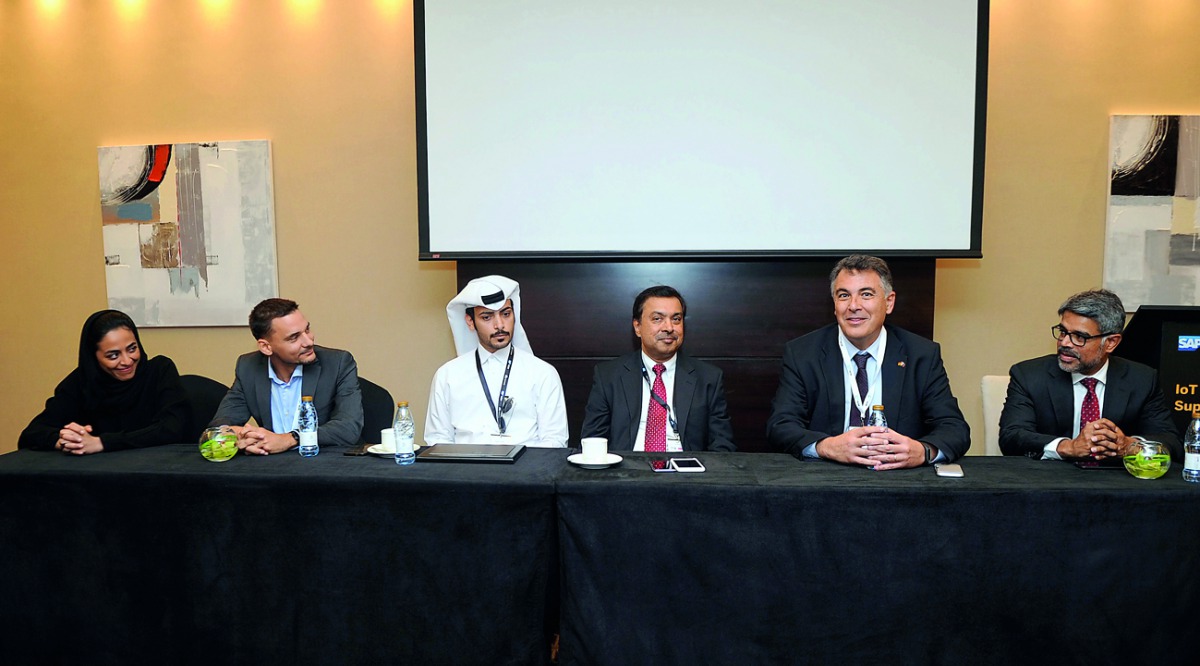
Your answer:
<point x="833" y="376"/>
<point x="1081" y="403"/>
<point x="658" y="398"/>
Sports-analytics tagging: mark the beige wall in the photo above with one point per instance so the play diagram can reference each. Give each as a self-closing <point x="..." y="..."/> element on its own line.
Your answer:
<point x="330" y="85"/>
<point x="1058" y="69"/>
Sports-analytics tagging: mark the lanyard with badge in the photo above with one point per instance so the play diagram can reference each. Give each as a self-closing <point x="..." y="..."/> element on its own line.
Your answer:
<point x="674" y="433"/>
<point x="863" y="403"/>
<point x="505" y="402"/>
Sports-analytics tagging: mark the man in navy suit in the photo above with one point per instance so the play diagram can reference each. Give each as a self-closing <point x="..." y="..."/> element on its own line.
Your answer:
<point x="1081" y="403"/>
<point x="658" y="398"/>
<point x="833" y="376"/>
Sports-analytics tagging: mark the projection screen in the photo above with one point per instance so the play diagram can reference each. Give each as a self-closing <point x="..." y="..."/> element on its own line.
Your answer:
<point x="706" y="128"/>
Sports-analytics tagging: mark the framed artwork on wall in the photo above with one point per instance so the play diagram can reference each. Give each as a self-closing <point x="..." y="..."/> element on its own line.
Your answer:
<point x="189" y="231"/>
<point x="1152" y="240"/>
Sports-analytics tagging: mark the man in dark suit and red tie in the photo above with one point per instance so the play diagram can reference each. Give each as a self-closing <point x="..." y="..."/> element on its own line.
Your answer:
<point x="658" y="398"/>
<point x="834" y="375"/>
<point x="1081" y="403"/>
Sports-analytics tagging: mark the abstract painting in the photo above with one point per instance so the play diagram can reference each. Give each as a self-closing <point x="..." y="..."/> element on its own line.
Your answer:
<point x="1152" y="243"/>
<point x="189" y="231"/>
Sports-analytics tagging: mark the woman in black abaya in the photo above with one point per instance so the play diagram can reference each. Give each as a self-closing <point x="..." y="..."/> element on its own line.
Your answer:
<point x="117" y="398"/>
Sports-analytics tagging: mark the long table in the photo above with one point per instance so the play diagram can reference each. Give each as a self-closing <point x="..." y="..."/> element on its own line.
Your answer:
<point x="159" y="556"/>
<point x="765" y="559"/>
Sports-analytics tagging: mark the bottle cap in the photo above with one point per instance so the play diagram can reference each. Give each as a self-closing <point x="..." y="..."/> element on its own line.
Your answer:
<point x="307" y="398"/>
<point x="402" y="404"/>
<point x="878" y="407"/>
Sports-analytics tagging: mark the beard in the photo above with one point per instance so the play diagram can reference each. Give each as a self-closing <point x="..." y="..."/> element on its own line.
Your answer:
<point x="1078" y="365"/>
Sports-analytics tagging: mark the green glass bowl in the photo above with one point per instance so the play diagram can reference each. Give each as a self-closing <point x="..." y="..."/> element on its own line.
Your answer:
<point x="1149" y="460"/>
<point x="218" y="444"/>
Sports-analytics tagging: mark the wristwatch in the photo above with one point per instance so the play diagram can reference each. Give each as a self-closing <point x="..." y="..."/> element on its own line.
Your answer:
<point x="296" y="436"/>
<point x="930" y="452"/>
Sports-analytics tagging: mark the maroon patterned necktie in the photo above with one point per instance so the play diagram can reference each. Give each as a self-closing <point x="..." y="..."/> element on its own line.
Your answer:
<point x="656" y="414"/>
<point x="1091" y="404"/>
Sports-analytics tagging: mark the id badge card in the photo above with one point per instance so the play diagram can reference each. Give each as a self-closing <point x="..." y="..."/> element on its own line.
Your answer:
<point x="673" y="442"/>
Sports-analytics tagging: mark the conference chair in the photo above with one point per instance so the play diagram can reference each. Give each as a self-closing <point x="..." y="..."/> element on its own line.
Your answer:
<point x="204" y="396"/>
<point x="377" y="410"/>
<point x="995" y="388"/>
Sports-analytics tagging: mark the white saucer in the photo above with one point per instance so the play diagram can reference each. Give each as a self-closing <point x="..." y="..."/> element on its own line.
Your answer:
<point x="610" y="459"/>
<point x="379" y="450"/>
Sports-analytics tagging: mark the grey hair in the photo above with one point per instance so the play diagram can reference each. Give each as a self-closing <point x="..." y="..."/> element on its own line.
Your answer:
<point x="1101" y="306"/>
<point x="863" y="262"/>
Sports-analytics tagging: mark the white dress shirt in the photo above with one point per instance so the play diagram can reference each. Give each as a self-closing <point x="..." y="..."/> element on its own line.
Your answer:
<point x="459" y="412"/>
<point x="1079" y="392"/>
<point x="668" y="377"/>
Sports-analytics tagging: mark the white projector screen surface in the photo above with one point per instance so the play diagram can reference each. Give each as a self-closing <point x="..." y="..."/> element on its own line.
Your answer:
<point x="705" y="127"/>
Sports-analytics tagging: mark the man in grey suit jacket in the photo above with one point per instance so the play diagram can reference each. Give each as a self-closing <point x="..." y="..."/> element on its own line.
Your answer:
<point x="820" y="410"/>
<point x="1046" y="414"/>
<point x="659" y="399"/>
<point x="269" y="383"/>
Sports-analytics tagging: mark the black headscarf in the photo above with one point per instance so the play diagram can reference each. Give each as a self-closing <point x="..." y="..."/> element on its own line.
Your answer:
<point x="100" y="389"/>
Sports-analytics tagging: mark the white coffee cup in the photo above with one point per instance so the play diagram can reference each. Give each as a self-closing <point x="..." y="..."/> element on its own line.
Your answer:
<point x="387" y="439"/>
<point x="594" y="448"/>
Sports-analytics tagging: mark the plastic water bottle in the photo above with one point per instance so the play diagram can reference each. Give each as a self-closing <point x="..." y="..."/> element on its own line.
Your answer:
<point x="1191" y="450"/>
<point x="308" y="428"/>
<point x="406" y="433"/>
<point x="877" y="418"/>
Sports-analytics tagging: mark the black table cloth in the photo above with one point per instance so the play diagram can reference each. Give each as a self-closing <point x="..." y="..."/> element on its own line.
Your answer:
<point x="767" y="559"/>
<point x="159" y="556"/>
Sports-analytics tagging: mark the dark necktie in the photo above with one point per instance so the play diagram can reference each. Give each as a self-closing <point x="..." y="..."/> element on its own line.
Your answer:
<point x="656" y="415"/>
<point x="860" y="359"/>
<point x="1091" y="404"/>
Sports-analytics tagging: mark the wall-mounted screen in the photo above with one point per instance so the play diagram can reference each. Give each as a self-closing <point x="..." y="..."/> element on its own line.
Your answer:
<point x="706" y="128"/>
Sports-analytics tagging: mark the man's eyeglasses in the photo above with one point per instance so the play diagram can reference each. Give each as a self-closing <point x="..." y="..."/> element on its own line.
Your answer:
<point x="1078" y="339"/>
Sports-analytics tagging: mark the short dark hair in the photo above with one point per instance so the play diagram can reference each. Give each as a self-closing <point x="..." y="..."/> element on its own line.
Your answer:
<point x="660" y="291"/>
<point x="863" y="262"/>
<point x="1101" y="306"/>
<point x="268" y="311"/>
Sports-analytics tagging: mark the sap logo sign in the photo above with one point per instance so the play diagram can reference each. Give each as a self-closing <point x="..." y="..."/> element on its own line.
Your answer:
<point x="1189" y="343"/>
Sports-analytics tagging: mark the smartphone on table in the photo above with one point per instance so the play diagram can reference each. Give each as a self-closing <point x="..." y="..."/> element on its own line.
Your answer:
<point x="661" y="465"/>
<point x="687" y="465"/>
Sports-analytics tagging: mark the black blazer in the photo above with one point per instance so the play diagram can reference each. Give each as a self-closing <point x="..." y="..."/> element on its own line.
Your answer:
<point x="614" y="406"/>
<point x="810" y="404"/>
<point x="1040" y="405"/>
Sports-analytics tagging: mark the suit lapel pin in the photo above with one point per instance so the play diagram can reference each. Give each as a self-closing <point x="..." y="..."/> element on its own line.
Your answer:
<point x="900" y="363"/>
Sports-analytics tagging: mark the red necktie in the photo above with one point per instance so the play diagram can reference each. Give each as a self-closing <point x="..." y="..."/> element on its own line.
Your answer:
<point x="1091" y="404"/>
<point x="656" y="414"/>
